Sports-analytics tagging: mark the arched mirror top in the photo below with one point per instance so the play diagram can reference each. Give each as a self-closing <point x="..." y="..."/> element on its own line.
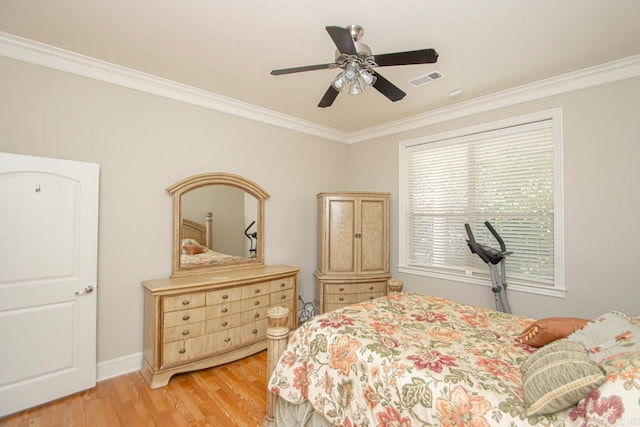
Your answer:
<point x="218" y="223"/>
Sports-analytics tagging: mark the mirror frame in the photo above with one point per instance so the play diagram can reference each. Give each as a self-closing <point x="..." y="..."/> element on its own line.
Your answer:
<point x="215" y="178"/>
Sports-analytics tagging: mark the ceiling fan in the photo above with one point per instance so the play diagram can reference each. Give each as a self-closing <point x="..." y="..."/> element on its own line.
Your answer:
<point x="357" y="61"/>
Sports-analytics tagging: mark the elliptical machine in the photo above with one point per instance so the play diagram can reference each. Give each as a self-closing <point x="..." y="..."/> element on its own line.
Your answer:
<point x="492" y="257"/>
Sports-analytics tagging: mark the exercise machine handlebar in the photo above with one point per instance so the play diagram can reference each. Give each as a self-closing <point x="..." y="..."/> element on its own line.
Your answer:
<point x="487" y="253"/>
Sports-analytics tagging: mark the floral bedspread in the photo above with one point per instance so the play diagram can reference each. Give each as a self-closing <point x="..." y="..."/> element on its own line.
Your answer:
<point x="412" y="360"/>
<point x="207" y="257"/>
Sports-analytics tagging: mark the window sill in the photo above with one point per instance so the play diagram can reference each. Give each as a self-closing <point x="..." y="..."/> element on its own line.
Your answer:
<point x="455" y="276"/>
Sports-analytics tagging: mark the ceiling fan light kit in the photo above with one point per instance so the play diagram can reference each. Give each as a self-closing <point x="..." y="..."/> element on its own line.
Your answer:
<point x="355" y="77"/>
<point x="357" y="62"/>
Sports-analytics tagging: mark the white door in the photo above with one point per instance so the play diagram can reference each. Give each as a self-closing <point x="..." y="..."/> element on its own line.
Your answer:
<point x="48" y="273"/>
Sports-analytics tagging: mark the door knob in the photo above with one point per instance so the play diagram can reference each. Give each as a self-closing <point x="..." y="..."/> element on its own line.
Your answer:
<point x="87" y="290"/>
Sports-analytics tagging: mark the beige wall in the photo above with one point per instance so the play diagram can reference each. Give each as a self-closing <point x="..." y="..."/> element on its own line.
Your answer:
<point x="601" y="204"/>
<point x="145" y="143"/>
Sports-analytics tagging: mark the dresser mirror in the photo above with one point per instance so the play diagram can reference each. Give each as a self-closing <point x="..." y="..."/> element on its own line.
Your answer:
<point x="218" y="223"/>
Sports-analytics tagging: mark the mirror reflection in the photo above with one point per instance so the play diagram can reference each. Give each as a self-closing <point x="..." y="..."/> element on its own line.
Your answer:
<point x="218" y="225"/>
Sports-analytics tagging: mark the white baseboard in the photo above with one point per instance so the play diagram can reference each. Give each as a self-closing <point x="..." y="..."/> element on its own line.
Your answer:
<point x="119" y="366"/>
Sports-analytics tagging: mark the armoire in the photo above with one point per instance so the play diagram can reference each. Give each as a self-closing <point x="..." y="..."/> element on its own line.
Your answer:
<point x="353" y="248"/>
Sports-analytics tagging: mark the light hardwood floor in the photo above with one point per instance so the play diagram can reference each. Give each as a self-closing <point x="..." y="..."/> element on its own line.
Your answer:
<point x="224" y="396"/>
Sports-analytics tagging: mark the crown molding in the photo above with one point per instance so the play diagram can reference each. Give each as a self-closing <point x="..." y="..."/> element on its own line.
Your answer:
<point x="589" y="77"/>
<point x="37" y="53"/>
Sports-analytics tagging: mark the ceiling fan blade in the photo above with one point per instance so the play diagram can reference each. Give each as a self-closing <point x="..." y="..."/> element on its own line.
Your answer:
<point x="424" y="56"/>
<point x="387" y="88"/>
<point x="343" y="40"/>
<point x="299" y="69"/>
<point x="329" y="96"/>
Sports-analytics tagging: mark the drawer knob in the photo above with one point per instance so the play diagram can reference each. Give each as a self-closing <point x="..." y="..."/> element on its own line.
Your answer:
<point x="255" y="331"/>
<point x="185" y="332"/>
<point x="257" y="315"/>
<point x="341" y="299"/>
<point x="182" y="351"/>
<point x="282" y="285"/>
<point x="185" y="302"/>
<point x="370" y="298"/>
<point x="227" y="339"/>
<point x="283" y="296"/>
<point x="256" y="303"/>
<point x="341" y="289"/>
<point x="370" y="288"/>
<point x="186" y="317"/>
<point x="225" y="296"/>
<point x="257" y="291"/>
<point x="224" y="310"/>
<point x="225" y="323"/>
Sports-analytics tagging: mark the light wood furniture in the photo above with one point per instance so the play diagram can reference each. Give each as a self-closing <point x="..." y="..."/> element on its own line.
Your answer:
<point x="197" y="183"/>
<point x="201" y="233"/>
<point x="353" y="253"/>
<point x="204" y="320"/>
<point x="213" y="313"/>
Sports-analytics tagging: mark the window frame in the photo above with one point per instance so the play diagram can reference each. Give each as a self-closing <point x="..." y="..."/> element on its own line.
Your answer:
<point x="558" y="289"/>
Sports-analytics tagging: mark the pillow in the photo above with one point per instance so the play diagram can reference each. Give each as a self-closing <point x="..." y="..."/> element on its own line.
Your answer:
<point x="192" y="249"/>
<point x="608" y="335"/>
<point x="558" y="376"/>
<point x="187" y="242"/>
<point x="543" y="331"/>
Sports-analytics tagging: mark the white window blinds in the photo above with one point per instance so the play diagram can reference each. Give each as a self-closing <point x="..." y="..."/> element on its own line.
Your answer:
<point x="504" y="176"/>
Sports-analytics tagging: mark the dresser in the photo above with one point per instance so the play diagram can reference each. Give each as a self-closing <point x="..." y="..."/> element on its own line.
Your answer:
<point x="203" y="320"/>
<point x="353" y="248"/>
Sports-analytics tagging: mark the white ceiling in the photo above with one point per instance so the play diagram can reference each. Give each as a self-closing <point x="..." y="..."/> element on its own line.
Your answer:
<point x="229" y="47"/>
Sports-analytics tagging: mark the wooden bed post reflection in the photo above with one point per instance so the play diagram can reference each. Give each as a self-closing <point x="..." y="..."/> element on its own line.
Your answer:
<point x="277" y="335"/>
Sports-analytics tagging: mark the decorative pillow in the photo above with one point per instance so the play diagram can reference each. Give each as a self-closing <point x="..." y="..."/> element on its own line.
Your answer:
<point x="608" y="335"/>
<point x="558" y="376"/>
<point x="187" y="242"/>
<point x="192" y="249"/>
<point x="543" y="331"/>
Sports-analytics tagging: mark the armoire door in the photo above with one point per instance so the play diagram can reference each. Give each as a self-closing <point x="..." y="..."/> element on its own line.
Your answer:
<point x="340" y="238"/>
<point x="48" y="273"/>
<point x="373" y="236"/>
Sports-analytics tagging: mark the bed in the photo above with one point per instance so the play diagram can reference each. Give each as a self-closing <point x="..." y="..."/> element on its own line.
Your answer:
<point x="414" y="360"/>
<point x="196" y="241"/>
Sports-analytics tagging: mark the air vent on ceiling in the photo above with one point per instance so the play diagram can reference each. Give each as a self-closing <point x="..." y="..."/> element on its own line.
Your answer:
<point x="426" y="78"/>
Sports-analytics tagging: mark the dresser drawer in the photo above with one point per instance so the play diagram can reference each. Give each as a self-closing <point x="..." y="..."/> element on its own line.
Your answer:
<point x="180" y="302"/>
<point x="370" y="288"/>
<point x="237" y="306"/>
<point x="282" y="284"/>
<point x="176" y="333"/>
<point x="183" y="317"/>
<point x="250" y="291"/>
<point x="281" y="297"/>
<point x="339" y="288"/>
<point x="234" y="337"/>
<point x="344" y="299"/>
<point x="224" y="295"/>
<point x="183" y="351"/>
<point x="235" y="320"/>
<point x="250" y="333"/>
<point x="370" y="296"/>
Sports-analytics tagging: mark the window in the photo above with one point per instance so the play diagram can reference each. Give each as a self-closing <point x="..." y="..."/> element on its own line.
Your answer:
<point x="508" y="173"/>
